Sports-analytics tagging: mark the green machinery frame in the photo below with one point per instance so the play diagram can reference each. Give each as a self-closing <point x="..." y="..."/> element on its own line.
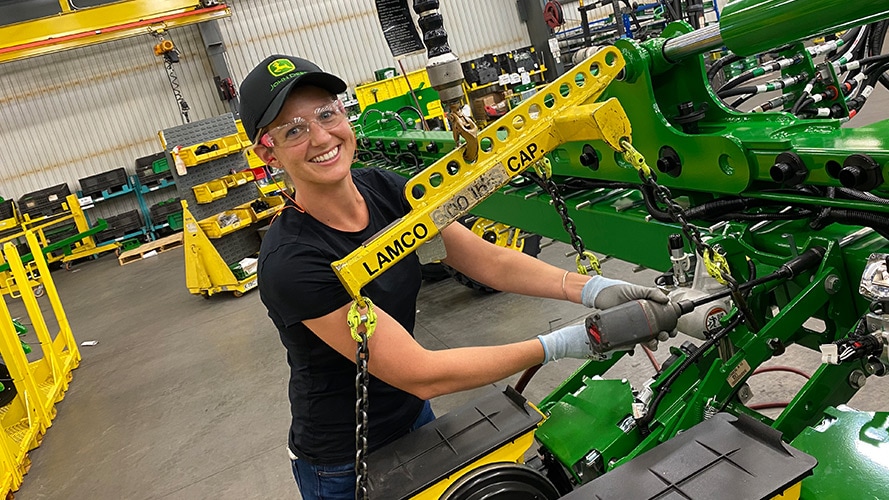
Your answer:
<point x="707" y="153"/>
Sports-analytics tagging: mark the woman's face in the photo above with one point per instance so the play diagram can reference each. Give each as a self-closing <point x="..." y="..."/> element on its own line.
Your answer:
<point x="325" y="157"/>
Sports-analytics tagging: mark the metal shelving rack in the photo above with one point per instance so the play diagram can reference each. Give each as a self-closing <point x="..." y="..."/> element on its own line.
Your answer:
<point x="208" y="260"/>
<point x="143" y="191"/>
<point x="87" y="202"/>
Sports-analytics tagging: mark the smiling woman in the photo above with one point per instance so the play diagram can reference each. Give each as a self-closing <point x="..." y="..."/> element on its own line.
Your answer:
<point x="289" y="109"/>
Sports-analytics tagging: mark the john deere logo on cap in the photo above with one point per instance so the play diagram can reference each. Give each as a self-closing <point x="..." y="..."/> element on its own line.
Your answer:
<point x="279" y="67"/>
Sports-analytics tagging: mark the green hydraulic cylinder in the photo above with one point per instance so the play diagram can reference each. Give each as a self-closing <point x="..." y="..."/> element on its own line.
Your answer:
<point x="753" y="26"/>
<point x="749" y="27"/>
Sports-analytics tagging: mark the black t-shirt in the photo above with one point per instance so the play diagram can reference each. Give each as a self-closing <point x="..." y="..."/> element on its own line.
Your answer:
<point x="297" y="283"/>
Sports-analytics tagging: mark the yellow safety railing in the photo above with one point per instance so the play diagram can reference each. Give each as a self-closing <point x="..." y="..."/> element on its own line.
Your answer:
<point x="40" y="383"/>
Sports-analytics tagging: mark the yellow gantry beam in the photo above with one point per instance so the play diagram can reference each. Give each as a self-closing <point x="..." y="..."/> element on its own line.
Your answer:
<point x="564" y="111"/>
<point x="78" y="28"/>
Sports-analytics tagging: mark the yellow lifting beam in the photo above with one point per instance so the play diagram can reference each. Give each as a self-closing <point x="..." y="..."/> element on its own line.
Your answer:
<point x="82" y="27"/>
<point x="564" y="111"/>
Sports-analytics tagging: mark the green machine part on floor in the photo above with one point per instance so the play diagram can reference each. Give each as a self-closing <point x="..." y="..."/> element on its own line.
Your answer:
<point x="773" y="225"/>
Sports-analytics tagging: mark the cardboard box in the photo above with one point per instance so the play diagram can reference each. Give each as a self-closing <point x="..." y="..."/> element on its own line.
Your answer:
<point x="495" y="100"/>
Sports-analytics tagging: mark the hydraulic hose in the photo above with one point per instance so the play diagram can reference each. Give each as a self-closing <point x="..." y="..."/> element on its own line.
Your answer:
<point x="662" y="390"/>
<point x="877" y="222"/>
<point x="728" y="208"/>
<point x="863" y="195"/>
<point x="721" y="63"/>
<point x="705" y="211"/>
<point x="803" y="99"/>
<point x="737" y="91"/>
<point x="802" y="214"/>
<point x="876" y="37"/>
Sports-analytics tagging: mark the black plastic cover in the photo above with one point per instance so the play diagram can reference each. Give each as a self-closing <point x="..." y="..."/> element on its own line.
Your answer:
<point x="420" y="459"/>
<point x="724" y="457"/>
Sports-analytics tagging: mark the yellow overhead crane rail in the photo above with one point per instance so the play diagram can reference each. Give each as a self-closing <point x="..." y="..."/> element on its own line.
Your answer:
<point x="564" y="111"/>
<point x="78" y="28"/>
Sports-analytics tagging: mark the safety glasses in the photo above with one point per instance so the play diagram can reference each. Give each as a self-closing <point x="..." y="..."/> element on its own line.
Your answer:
<point x="298" y="129"/>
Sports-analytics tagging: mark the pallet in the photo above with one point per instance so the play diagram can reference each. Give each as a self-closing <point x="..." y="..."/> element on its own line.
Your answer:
<point x="156" y="246"/>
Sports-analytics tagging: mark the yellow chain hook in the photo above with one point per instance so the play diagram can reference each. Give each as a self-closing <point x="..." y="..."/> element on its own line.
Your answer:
<point x="355" y="318"/>
<point x="716" y="266"/>
<point x="592" y="266"/>
<point x="635" y="158"/>
<point x="543" y="168"/>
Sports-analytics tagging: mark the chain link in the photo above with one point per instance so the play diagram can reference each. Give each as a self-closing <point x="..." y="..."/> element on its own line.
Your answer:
<point x="715" y="263"/>
<point x="362" y="355"/>
<point x="541" y="175"/>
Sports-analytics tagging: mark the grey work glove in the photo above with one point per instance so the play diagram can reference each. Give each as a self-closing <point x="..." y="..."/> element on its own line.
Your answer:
<point x="603" y="293"/>
<point x="569" y="342"/>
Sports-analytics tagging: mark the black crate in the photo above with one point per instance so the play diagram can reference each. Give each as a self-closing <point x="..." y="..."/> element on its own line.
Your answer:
<point x="470" y="74"/>
<point x="59" y="232"/>
<point x="160" y="211"/>
<point x="109" y="182"/>
<point x="147" y="178"/>
<point x="7" y="209"/>
<point x="148" y="171"/>
<point x="147" y="161"/>
<point x="525" y="58"/>
<point x="481" y="71"/>
<point x="506" y="63"/>
<point x="120" y="225"/>
<point x="46" y="201"/>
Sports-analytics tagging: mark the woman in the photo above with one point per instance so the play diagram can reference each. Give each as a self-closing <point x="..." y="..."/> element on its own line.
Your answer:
<point x="289" y="108"/>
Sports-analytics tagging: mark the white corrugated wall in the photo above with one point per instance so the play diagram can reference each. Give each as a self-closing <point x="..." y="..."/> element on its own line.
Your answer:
<point x="345" y="38"/>
<point x="76" y="113"/>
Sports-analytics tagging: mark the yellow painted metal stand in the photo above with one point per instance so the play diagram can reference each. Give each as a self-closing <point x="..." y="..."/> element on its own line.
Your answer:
<point x="41" y="383"/>
<point x="206" y="273"/>
<point x="83" y="248"/>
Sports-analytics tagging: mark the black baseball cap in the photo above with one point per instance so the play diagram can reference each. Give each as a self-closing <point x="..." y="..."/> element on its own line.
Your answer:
<point x="266" y="87"/>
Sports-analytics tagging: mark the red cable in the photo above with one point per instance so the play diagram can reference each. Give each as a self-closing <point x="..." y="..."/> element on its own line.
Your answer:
<point x="765" y="369"/>
<point x="654" y="363"/>
<point x="770" y="405"/>
<point x="526" y="377"/>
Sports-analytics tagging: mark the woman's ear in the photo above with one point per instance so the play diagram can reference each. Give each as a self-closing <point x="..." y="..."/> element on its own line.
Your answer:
<point x="265" y="154"/>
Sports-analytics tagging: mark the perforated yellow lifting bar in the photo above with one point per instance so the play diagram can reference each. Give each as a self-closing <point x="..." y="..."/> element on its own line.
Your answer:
<point x="564" y="111"/>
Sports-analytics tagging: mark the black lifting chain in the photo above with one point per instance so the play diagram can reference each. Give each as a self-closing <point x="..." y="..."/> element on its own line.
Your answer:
<point x="552" y="189"/>
<point x="677" y="213"/>
<point x="715" y="263"/>
<point x="362" y="355"/>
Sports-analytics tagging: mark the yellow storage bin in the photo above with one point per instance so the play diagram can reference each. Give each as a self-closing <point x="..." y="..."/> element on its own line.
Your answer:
<point x="210" y="191"/>
<point x="218" y="148"/>
<point x="226" y="222"/>
<point x="274" y="202"/>
<point x="253" y="161"/>
<point x="238" y="179"/>
<point x="241" y="132"/>
<point x="391" y="87"/>
<point x="9" y="223"/>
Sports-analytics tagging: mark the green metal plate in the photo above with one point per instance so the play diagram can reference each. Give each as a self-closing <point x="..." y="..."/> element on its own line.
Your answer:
<point x="852" y="448"/>
<point x="581" y="418"/>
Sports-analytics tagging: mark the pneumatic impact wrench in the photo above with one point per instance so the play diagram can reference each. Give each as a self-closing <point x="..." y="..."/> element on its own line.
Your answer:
<point x="622" y="327"/>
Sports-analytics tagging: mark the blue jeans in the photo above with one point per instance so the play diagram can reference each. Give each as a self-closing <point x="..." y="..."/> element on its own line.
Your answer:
<point x="337" y="482"/>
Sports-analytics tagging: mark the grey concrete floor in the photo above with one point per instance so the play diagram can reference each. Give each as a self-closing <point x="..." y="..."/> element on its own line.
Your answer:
<point x="185" y="398"/>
